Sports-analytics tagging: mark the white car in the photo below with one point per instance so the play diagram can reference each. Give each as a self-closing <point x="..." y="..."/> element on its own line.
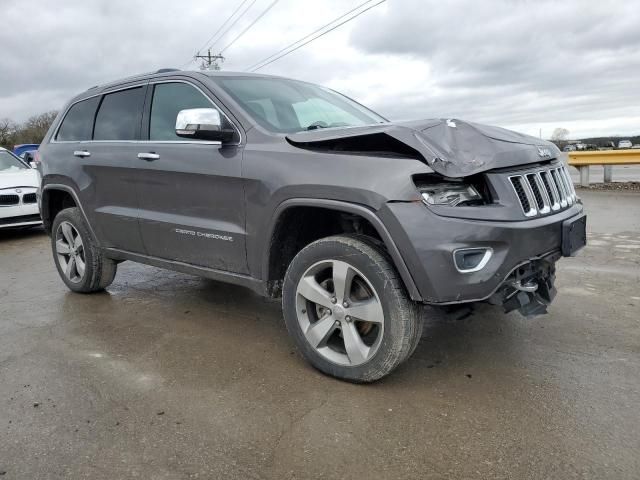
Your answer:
<point x="18" y="187"/>
<point x="624" y="144"/>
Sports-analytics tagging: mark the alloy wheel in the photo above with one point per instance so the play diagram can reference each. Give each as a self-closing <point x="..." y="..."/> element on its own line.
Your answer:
<point x="339" y="312"/>
<point x="70" y="252"/>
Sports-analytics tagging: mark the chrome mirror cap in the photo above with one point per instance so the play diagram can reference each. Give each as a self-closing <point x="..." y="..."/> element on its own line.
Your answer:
<point x="192" y="120"/>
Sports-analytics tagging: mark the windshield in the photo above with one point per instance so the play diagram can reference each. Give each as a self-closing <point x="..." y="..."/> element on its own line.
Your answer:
<point x="10" y="163"/>
<point x="285" y="106"/>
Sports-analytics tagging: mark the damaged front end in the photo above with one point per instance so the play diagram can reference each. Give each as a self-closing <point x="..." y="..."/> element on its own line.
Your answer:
<point x="485" y="223"/>
<point x="529" y="289"/>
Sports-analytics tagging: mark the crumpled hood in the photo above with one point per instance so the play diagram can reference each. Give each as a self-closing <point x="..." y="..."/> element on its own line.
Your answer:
<point x="27" y="177"/>
<point x="451" y="147"/>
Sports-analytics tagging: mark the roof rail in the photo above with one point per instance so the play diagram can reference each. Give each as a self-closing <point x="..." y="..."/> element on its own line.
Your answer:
<point x="161" y="70"/>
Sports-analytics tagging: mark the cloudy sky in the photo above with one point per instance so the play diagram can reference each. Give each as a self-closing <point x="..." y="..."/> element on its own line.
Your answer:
<point x="526" y="65"/>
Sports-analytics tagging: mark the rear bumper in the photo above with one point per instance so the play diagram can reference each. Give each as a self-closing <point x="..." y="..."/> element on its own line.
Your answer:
<point x="427" y="242"/>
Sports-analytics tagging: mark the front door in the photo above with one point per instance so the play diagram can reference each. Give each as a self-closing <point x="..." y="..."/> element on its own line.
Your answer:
<point x="191" y="193"/>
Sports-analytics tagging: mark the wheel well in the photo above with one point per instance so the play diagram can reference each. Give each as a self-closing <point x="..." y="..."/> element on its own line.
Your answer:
<point x="297" y="227"/>
<point x="54" y="201"/>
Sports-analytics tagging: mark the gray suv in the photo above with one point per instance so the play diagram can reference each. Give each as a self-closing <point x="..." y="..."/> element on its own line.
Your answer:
<point x="296" y="191"/>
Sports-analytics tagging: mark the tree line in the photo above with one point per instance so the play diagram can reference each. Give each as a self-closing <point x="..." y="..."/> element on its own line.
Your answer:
<point x="560" y="137"/>
<point x="32" y="131"/>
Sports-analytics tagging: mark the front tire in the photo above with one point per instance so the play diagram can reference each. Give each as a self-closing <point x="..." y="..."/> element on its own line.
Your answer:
<point x="81" y="265"/>
<point x="347" y="309"/>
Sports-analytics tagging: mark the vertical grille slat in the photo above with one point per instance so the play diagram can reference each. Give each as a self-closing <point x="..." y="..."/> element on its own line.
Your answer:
<point x="560" y="187"/>
<point x="518" y="186"/>
<point x="531" y="180"/>
<point x="571" y="189"/>
<point x="552" y="191"/>
<point x="565" y="187"/>
<point x="544" y="190"/>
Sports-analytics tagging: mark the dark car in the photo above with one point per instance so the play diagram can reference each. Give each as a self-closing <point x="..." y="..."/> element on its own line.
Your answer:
<point x="294" y="190"/>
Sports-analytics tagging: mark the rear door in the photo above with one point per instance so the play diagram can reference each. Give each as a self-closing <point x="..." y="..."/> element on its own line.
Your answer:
<point x="190" y="191"/>
<point x="111" y="168"/>
<point x="93" y="149"/>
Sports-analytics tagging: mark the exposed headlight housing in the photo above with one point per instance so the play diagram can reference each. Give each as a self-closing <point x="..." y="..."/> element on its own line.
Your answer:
<point x="451" y="194"/>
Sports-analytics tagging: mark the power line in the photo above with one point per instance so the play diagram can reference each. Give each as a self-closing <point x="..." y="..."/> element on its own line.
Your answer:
<point x="224" y="32"/>
<point x="210" y="61"/>
<point x="279" y="54"/>
<point x="250" y="25"/>
<point x="222" y="26"/>
<point x="309" y="35"/>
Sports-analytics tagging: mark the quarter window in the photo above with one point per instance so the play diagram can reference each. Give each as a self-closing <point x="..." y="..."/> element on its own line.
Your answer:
<point x="78" y="122"/>
<point x="119" y="115"/>
<point x="168" y="100"/>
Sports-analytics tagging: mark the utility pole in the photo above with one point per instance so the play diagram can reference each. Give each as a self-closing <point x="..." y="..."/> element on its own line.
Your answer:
<point x="209" y="62"/>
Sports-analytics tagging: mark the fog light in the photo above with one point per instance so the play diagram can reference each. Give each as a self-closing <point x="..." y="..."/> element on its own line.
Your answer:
<point x="469" y="260"/>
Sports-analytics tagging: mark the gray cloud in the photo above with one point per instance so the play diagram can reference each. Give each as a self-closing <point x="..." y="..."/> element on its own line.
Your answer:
<point x="522" y="64"/>
<point x="517" y="61"/>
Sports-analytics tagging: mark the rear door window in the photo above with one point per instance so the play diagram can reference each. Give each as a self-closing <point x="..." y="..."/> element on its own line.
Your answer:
<point x="119" y="115"/>
<point x="78" y="122"/>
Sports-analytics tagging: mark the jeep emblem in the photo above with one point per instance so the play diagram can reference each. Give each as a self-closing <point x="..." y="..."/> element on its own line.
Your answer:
<point x="544" y="152"/>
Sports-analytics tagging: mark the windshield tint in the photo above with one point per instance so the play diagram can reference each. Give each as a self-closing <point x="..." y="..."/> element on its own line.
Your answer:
<point x="283" y="105"/>
<point x="9" y="163"/>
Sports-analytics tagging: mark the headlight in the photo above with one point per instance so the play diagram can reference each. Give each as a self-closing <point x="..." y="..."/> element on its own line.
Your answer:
<point x="451" y="194"/>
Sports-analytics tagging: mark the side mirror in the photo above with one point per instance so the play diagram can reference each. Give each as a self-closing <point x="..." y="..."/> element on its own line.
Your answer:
<point x="33" y="164"/>
<point x="202" y="124"/>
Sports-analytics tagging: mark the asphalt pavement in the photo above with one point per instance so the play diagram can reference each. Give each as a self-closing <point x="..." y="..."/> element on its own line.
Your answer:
<point x="168" y="376"/>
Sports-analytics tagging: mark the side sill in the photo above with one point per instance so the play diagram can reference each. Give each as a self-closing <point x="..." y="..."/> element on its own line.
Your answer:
<point x="254" y="284"/>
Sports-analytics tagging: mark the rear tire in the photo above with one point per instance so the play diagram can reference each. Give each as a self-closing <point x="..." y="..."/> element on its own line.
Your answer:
<point x="80" y="263"/>
<point x="347" y="310"/>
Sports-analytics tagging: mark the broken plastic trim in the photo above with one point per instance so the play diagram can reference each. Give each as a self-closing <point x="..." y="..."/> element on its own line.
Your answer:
<point x="529" y="289"/>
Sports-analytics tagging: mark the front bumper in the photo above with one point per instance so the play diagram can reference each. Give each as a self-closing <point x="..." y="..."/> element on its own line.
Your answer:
<point x="20" y="215"/>
<point x="427" y="241"/>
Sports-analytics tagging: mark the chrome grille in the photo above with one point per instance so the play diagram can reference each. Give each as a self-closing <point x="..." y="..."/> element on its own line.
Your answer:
<point x="543" y="191"/>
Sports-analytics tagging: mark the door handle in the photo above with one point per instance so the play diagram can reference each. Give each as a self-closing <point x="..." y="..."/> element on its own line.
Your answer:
<point x="148" y="156"/>
<point x="82" y="153"/>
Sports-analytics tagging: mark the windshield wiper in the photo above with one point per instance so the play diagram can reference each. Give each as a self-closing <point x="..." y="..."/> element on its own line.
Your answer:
<point x="315" y="126"/>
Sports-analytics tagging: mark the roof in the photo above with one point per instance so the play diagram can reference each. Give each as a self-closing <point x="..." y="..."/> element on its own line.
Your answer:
<point x="160" y="73"/>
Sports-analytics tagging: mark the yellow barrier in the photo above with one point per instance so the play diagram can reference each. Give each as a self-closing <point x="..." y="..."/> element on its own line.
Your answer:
<point x="607" y="158"/>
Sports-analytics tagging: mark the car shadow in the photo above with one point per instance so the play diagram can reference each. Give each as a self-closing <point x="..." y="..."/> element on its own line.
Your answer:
<point x="196" y="318"/>
<point x="8" y="234"/>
